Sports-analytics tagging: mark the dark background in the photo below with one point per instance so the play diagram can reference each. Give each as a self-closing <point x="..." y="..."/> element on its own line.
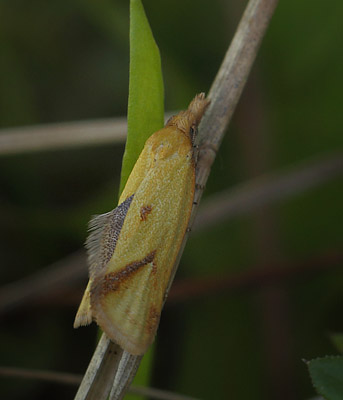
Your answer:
<point x="68" y="60"/>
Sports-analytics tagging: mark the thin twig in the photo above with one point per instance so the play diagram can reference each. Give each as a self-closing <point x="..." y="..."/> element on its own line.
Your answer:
<point x="75" y="379"/>
<point x="268" y="189"/>
<point x="256" y="277"/>
<point x="224" y="96"/>
<point x="41" y="375"/>
<point x="63" y="273"/>
<point x="240" y="200"/>
<point x="63" y="135"/>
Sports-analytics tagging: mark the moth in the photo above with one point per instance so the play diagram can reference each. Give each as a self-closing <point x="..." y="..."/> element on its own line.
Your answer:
<point x="132" y="249"/>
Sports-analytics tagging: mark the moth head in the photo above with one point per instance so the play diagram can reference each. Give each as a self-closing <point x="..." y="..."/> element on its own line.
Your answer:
<point x="188" y="120"/>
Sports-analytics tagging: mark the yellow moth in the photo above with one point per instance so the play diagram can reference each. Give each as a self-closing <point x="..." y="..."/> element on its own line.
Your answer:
<point x="132" y="249"/>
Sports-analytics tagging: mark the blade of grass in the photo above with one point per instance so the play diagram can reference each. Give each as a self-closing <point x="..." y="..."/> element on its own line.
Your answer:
<point x="145" y="115"/>
<point x="146" y="107"/>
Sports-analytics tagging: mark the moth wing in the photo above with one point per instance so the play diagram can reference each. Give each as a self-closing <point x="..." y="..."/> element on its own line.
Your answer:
<point x="127" y="296"/>
<point x="99" y="247"/>
<point x="83" y="316"/>
<point x="128" y="310"/>
<point x="101" y="242"/>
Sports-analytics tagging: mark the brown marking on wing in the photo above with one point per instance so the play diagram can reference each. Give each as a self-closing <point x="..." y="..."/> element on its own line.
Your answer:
<point x="153" y="268"/>
<point x="153" y="320"/>
<point x="113" y="280"/>
<point x="145" y="211"/>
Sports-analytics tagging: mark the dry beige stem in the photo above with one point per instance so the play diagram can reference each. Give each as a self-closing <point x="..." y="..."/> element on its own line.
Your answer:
<point x="224" y="95"/>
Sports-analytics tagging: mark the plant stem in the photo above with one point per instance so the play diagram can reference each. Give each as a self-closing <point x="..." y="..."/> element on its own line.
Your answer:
<point x="224" y="96"/>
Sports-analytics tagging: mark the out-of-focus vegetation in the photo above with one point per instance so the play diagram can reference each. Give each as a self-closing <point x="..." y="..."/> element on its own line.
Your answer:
<point x="68" y="60"/>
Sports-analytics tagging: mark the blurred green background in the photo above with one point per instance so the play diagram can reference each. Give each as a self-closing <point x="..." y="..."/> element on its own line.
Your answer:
<point x="68" y="60"/>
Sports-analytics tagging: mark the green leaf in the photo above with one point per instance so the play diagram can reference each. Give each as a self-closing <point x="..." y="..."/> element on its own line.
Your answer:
<point x="337" y="340"/>
<point x="145" y="109"/>
<point x="327" y="376"/>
